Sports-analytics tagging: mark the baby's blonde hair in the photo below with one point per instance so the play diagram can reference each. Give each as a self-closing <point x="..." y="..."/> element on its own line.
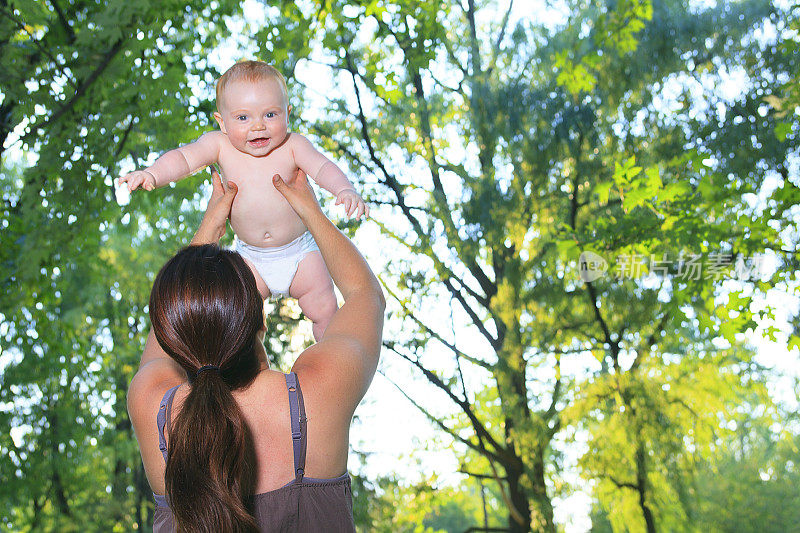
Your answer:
<point x="250" y="71"/>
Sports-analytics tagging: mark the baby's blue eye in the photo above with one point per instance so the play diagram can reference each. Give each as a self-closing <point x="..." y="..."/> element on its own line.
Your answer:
<point x="270" y="114"/>
<point x="241" y="117"/>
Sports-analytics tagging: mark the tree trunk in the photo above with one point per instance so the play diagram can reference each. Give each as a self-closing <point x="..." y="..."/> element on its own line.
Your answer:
<point x="641" y="483"/>
<point x="6" y="125"/>
<point x="56" y="484"/>
<point x="122" y="427"/>
<point x="144" y="509"/>
<point x="543" y="507"/>
<point x="520" y="502"/>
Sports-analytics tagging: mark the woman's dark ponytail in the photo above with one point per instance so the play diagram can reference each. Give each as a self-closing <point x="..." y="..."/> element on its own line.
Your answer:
<point x="206" y="313"/>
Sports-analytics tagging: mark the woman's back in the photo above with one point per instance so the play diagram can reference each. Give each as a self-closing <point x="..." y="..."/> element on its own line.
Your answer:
<point x="265" y="406"/>
<point x="304" y="503"/>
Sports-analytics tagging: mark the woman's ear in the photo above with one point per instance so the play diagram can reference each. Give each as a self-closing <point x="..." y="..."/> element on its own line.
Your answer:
<point x="218" y="117"/>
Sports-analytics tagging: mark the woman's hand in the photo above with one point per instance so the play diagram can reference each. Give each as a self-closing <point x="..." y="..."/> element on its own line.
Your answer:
<point x="299" y="194"/>
<point x="212" y="228"/>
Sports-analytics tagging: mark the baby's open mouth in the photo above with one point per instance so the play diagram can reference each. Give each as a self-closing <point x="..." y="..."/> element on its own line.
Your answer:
<point x="258" y="142"/>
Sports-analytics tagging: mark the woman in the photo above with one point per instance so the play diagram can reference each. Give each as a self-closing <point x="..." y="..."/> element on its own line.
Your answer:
<point x="215" y="424"/>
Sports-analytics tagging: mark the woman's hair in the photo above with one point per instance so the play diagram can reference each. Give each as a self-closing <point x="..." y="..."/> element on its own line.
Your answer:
<point x="206" y="310"/>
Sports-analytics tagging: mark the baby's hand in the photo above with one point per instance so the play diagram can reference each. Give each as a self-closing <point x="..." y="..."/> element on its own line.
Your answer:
<point x="353" y="203"/>
<point x="138" y="178"/>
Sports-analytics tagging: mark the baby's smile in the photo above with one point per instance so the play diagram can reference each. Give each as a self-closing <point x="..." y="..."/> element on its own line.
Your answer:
<point x="259" y="142"/>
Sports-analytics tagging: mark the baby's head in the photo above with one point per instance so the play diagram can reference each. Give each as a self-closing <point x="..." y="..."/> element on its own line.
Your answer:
<point x="253" y="107"/>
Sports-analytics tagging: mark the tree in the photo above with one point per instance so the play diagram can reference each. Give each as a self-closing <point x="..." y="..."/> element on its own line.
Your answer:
<point x="86" y="87"/>
<point x="504" y="151"/>
<point x="430" y="506"/>
<point x="748" y="481"/>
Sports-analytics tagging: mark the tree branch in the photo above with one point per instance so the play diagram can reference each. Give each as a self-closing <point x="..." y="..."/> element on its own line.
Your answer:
<point x="64" y="23"/>
<point x="476" y="447"/>
<point x="475" y="57"/>
<point x="498" y="42"/>
<point x="432" y="333"/>
<point x="447" y="276"/>
<point x="613" y="346"/>
<point x="123" y="139"/>
<point x="454" y="60"/>
<point x="389" y="179"/>
<point x="480" y="476"/>
<point x="556" y="392"/>
<point x="43" y="49"/>
<point x="81" y="90"/>
<point x="479" y="428"/>
<point x="451" y="233"/>
<point x="620" y="484"/>
<point x="395" y="186"/>
<point x="494" y="341"/>
<point x="439" y="195"/>
<point x="651" y="339"/>
<point x="397" y="204"/>
<point x="458" y="359"/>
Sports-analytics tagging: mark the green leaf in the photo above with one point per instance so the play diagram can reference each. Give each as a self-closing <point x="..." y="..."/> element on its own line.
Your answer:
<point x="728" y="331"/>
<point x="635" y="197"/>
<point x="794" y="342"/>
<point x="737" y="302"/>
<point x="602" y="190"/>
<point x="568" y="249"/>
<point x="653" y="179"/>
<point x="672" y="190"/>
<point x="770" y="332"/>
<point x="782" y="130"/>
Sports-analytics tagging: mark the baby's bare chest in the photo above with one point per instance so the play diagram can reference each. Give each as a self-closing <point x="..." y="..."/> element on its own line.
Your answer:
<point x="255" y="173"/>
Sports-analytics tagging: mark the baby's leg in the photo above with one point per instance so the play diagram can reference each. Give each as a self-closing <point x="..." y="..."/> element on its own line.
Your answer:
<point x="313" y="288"/>
<point x="263" y="290"/>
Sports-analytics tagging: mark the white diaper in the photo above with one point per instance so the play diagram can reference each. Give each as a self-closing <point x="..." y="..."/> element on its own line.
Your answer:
<point x="278" y="265"/>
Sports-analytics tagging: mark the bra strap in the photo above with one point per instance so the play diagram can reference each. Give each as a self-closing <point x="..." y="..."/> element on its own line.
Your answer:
<point x="297" y="414"/>
<point x="161" y="419"/>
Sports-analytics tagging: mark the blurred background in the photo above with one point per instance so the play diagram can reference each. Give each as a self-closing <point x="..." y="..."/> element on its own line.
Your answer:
<point x="584" y="213"/>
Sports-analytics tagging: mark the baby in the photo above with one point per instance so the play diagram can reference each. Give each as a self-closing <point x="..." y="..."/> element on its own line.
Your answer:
<point x="253" y="145"/>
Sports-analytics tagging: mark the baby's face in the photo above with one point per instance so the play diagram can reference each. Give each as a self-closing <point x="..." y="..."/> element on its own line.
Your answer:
<point x="254" y="116"/>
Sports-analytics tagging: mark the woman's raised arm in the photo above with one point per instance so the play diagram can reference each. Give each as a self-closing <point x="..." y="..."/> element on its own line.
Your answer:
<point x="344" y="361"/>
<point x="212" y="227"/>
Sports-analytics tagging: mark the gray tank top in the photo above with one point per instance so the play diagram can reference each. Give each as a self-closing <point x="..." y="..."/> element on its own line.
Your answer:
<point x="303" y="504"/>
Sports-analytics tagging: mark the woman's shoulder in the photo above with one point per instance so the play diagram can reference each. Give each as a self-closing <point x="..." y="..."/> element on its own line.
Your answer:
<point x="148" y="387"/>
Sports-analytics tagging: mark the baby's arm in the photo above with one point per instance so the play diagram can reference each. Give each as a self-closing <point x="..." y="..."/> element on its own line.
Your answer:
<point x="327" y="175"/>
<point x="176" y="164"/>
<point x="318" y="167"/>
